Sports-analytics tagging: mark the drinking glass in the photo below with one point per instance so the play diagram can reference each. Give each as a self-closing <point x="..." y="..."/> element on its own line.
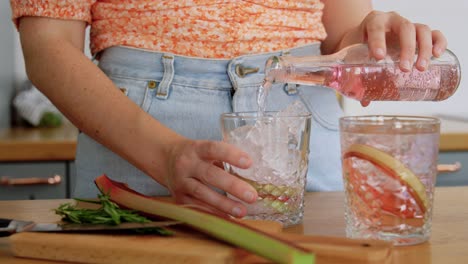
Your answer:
<point x="278" y="144"/>
<point x="389" y="172"/>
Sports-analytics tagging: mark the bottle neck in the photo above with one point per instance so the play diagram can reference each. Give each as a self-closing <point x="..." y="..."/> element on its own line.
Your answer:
<point x="312" y="70"/>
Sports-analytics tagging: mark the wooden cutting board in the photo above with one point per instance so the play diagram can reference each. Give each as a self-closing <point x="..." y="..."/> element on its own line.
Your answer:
<point x="187" y="246"/>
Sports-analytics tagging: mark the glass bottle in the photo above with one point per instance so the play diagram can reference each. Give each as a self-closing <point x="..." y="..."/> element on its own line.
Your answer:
<point x="355" y="74"/>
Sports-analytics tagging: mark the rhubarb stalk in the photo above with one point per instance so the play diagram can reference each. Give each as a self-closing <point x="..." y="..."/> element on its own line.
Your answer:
<point x="253" y="240"/>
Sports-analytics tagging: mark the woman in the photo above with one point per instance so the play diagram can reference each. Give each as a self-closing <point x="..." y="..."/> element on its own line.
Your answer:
<point x="167" y="69"/>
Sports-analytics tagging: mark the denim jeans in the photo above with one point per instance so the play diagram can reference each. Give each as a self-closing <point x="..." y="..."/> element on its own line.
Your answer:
<point x="189" y="94"/>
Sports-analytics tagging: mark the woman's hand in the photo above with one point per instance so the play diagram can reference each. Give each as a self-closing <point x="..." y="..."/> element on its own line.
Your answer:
<point x="380" y="29"/>
<point x="195" y="167"/>
<point x="354" y="21"/>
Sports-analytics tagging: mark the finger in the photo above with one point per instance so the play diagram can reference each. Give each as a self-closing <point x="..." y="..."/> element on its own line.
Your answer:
<point x="193" y="203"/>
<point x="407" y="32"/>
<point x="439" y="43"/>
<point x="221" y="179"/>
<point x="424" y="39"/>
<point x="221" y="151"/>
<point x="376" y="26"/>
<point x="202" y="192"/>
<point x="218" y="163"/>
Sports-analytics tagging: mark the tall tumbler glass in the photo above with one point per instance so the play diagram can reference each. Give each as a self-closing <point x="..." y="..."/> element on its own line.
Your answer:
<point x="389" y="172"/>
<point x="278" y="143"/>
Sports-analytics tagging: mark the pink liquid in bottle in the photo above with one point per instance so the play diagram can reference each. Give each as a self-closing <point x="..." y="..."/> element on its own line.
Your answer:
<point x="387" y="82"/>
<point x="353" y="73"/>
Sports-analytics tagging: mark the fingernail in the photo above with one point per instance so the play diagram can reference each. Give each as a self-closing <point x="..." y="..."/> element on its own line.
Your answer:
<point x="243" y="162"/>
<point x="405" y="65"/>
<point x="380" y="52"/>
<point x="249" y="196"/>
<point x="423" y="63"/>
<point x="236" y="211"/>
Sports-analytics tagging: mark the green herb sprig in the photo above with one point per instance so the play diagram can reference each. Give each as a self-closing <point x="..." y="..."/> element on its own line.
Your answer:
<point x="109" y="213"/>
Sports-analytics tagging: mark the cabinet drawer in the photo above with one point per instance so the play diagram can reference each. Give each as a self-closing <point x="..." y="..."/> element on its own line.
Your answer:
<point x="31" y="180"/>
<point x="456" y="178"/>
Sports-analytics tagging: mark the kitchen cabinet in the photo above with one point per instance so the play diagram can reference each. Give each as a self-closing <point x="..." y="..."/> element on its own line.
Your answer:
<point x="34" y="180"/>
<point x="453" y="148"/>
<point x="37" y="163"/>
<point x="456" y="178"/>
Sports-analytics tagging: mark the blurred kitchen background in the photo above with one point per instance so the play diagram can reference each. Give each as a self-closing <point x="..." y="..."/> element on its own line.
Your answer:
<point x="31" y="158"/>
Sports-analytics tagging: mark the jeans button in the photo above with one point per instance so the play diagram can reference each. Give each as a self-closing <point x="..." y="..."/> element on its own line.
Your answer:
<point x="152" y="84"/>
<point x="242" y="71"/>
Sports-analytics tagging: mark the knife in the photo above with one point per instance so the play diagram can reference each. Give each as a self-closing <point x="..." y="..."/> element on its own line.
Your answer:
<point x="12" y="226"/>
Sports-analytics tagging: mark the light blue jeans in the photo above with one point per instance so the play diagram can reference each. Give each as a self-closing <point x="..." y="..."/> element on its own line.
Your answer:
<point x="189" y="94"/>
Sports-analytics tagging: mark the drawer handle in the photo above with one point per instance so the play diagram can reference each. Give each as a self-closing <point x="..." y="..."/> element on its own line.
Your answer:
<point x="54" y="180"/>
<point x="449" y="167"/>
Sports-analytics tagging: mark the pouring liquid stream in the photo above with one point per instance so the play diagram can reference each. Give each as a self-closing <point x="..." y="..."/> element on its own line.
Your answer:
<point x="262" y="94"/>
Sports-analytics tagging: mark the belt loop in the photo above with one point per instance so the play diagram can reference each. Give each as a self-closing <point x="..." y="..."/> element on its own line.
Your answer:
<point x="163" y="88"/>
<point x="232" y="75"/>
<point x="289" y="88"/>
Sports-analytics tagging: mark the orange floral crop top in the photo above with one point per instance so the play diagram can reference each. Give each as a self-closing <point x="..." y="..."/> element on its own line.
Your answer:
<point x="197" y="28"/>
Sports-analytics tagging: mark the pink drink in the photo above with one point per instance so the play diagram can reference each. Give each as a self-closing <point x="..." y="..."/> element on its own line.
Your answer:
<point x="355" y="74"/>
<point x="386" y="82"/>
<point x="389" y="171"/>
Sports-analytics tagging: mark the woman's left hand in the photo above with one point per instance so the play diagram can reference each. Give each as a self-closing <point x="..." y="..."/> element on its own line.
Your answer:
<point x="380" y="29"/>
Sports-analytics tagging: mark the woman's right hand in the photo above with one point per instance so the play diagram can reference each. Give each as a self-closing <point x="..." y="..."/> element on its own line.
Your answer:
<point x="195" y="167"/>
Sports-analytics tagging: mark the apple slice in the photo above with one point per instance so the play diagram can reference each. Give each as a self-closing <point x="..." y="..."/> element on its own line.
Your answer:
<point x="235" y="233"/>
<point x="393" y="168"/>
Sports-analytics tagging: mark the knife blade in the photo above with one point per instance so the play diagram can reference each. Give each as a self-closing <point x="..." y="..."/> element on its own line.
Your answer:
<point x="11" y="226"/>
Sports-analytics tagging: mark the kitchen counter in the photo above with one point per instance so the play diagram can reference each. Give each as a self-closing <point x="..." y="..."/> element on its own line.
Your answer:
<point x="38" y="144"/>
<point x="46" y="144"/>
<point x="448" y="244"/>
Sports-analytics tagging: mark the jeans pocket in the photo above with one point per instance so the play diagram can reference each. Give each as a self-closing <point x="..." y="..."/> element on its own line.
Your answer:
<point x="135" y="89"/>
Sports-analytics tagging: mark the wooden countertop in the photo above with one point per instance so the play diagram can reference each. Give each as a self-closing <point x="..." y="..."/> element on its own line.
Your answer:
<point x="48" y="144"/>
<point x="449" y="240"/>
<point x="38" y="144"/>
<point x="323" y="216"/>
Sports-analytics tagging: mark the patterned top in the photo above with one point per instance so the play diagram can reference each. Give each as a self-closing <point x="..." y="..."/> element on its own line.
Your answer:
<point x="198" y="28"/>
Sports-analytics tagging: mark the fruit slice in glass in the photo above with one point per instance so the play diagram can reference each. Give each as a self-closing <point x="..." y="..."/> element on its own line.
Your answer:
<point x="395" y="203"/>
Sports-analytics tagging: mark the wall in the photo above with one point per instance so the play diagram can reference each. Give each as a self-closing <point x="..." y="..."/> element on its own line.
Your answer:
<point x="449" y="16"/>
<point x="7" y="44"/>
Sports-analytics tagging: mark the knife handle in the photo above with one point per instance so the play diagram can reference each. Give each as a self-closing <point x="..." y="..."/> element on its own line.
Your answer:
<point x="5" y="229"/>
